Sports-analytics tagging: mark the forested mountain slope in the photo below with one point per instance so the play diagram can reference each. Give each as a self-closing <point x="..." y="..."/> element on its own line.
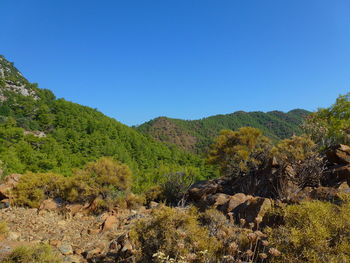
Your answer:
<point x="40" y="133"/>
<point x="197" y="135"/>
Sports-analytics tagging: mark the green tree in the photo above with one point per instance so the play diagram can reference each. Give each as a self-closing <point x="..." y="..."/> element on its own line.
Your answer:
<point x="330" y="125"/>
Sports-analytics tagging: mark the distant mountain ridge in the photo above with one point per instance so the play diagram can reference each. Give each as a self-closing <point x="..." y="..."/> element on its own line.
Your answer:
<point x="197" y="135"/>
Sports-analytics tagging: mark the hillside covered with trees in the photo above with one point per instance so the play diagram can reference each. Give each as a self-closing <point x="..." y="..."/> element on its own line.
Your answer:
<point x="197" y="135"/>
<point x="39" y="133"/>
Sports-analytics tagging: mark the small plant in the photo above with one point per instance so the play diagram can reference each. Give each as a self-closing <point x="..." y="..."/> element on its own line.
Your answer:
<point x="3" y="229"/>
<point x="41" y="253"/>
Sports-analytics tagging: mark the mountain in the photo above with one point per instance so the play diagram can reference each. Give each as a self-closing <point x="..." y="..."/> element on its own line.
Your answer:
<point x="40" y="133"/>
<point x="197" y="135"/>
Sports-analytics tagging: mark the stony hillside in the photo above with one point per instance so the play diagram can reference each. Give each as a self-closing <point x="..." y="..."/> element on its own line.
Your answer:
<point x="197" y="135"/>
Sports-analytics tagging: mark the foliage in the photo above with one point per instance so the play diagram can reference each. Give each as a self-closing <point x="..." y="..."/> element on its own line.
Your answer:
<point x="105" y="178"/>
<point x="299" y="154"/>
<point x="238" y="152"/>
<point x="33" y="254"/>
<point x="175" y="187"/>
<point x="198" y="135"/>
<point x="3" y="229"/>
<point x="32" y="189"/>
<point x="40" y="134"/>
<point x="174" y="232"/>
<point x="312" y="233"/>
<point x="331" y="125"/>
<point x="294" y="150"/>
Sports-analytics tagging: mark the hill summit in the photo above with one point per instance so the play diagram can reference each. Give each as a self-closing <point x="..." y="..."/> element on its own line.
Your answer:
<point x="197" y="135"/>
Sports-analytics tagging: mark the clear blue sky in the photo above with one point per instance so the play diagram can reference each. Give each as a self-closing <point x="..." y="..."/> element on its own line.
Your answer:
<point x="136" y="60"/>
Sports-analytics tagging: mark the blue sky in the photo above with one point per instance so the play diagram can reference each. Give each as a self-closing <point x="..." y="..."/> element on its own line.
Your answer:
<point x="138" y="59"/>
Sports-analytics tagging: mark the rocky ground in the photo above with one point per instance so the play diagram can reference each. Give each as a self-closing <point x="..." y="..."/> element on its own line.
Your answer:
<point x="81" y="238"/>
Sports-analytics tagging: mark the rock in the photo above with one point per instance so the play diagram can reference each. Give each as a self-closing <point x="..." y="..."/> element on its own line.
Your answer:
<point x="343" y="173"/>
<point x="237" y="200"/>
<point x="202" y="189"/>
<point x="55" y="243"/>
<point x="127" y="246"/>
<point x="109" y="223"/>
<point x="328" y="194"/>
<point x="252" y="209"/>
<point x="218" y="200"/>
<point x="339" y="154"/>
<point x="5" y="203"/>
<point x="72" y="259"/>
<point x="93" y="252"/>
<point x="65" y="249"/>
<point x="14" y="236"/>
<point x="153" y="204"/>
<point x="49" y="204"/>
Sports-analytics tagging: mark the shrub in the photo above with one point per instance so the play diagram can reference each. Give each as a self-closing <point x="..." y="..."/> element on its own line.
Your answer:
<point x="109" y="175"/>
<point x="314" y="232"/>
<point x="299" y="153"/>
<point x="174" y="232"/>
<point x="33" y="254"/>
<point x="294" y="150"/>
<point x="175" y="187"/>
<point x="330" y="125"/>
<point x="33" y="188"/>
<point x="105" y="178"/>
<point x="238" y="152"/>
<point x="3" y="229"/>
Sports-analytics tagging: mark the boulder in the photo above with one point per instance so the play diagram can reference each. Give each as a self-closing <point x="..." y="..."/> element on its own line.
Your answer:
<point x="237" y="200"/>
<point x="203" y="189"/>
<point x="65" y="249"/>
<point x="49" y="204"/>
<point x="109" y="223"/>
<point x="252" y="209"/>
<point x="339" y="154"/>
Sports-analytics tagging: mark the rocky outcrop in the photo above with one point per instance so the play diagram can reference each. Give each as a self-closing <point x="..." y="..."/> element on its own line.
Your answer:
<point x="338" y="166"/>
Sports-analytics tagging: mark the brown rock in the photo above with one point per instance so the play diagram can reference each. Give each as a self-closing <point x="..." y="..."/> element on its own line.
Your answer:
<point x="339" y="154"/>
<point x="109" y="223"/>
<point x="237" y="200"/>
<point x="49" y="204"/>
<point x="202" y="189"/>
<point x="253" y="208"/>
<point x="343" y="173"/>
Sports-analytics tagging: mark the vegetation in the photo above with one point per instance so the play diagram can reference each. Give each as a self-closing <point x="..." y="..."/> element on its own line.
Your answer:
<point x="105" y="179"/>
<point x="3" y="229"/>
<point x="46" y="134"/>
<point x="33" y="254"/>
<point x="198" y="135"/>
<point x="312" y="233"/>
<point x="331" y="125"/>
<point x="238" y="152"/>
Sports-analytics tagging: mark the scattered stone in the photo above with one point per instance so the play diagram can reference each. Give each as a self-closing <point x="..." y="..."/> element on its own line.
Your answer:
<point x="65" y="249"/>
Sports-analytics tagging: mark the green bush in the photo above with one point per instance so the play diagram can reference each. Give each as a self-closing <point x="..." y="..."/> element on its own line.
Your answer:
<point x="331" y="125"/>
<point x="314" y="232"/>
<point x="33" y="254"/>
